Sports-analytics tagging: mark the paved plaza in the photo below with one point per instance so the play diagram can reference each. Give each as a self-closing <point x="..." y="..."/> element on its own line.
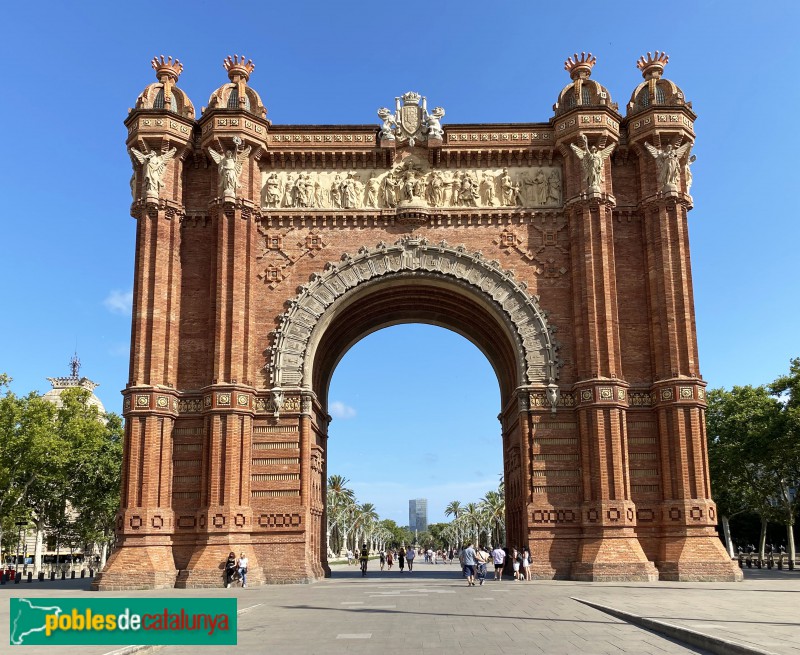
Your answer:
<point x="432" y="610"/>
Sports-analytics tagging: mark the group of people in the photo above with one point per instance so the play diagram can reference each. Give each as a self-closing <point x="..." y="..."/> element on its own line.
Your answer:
<point x="474" y="561"/>
<point x="235" y="569"/>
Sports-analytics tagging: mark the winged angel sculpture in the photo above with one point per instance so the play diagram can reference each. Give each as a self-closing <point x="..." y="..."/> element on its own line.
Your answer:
<point x="668" y="164"/>
<point x="593" y="162"/>
<point x="229" y="168"/>
<point x="154" y="165"/>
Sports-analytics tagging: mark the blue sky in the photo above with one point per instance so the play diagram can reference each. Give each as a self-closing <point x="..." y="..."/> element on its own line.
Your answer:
<point x="73" y="69"/>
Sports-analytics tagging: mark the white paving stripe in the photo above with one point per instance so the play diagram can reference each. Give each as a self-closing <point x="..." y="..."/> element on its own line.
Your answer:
<point x="365" y="635"/>
<point x="352" y="602"/>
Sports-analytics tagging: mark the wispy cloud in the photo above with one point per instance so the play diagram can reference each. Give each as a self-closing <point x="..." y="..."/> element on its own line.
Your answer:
<point x="339" y="410"/>
<point x="119" y="302"/>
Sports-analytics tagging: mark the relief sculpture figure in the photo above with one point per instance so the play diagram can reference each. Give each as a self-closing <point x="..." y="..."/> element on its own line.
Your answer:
<point x="436" y="189"/>
<point x="272" y="190"/>
<point x="154" y="166"/>
<point x="593" y="162"/>
<point x="506" y="189"/>
<point x="390" y="190"/>
<point x="554" y="187"/>
<point x="373" y="189"/>
<point x="487" y="190"/>
<point x="468" y="195"/>
<point x="668" y="164"/>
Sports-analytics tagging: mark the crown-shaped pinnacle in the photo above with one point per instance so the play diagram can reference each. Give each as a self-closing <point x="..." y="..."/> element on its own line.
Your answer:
<point x="167" y="67"/>
<point x="652" y="66"/>
<point x="237" y="68"/>
<point x="580" y="66"/>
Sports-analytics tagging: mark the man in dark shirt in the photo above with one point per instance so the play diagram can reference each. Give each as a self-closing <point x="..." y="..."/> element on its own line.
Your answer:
<point x="364" y="557"/>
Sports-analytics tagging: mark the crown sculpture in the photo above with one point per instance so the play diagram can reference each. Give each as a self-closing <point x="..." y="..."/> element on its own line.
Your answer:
<point x="237" y="68"/>
<point x="580" y="67"/>
<point x="167" y="69"/>
<point x="652" y="67"/>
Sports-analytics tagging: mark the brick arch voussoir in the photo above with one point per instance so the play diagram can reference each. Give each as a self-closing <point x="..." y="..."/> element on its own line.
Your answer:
<point x="538" y="349"/>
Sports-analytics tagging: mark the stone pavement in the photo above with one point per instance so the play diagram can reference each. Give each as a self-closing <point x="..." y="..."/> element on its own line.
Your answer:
<point x="432" y="610"/>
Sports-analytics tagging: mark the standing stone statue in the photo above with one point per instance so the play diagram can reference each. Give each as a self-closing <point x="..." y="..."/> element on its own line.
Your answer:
<point x="688" y="172"/>
<point x="229" y="168"/>
<point x="389" y="124"/>
<point x="668" y="164"/>
<point x="593" y="162"/>
<point x="435" y="130"/>
<point x="154" y="166"/>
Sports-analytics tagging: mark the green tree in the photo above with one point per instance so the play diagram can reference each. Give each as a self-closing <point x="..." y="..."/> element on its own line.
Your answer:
<point x="787" y="447"/>
<point x="752" y="461"/>
<point x="27" y="443"/>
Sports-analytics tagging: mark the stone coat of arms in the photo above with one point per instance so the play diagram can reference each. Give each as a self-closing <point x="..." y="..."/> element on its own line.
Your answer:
<point x="411" y="121"/>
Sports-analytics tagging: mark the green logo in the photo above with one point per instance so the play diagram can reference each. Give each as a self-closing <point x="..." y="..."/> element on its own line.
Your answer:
<point x="128" y="621"/>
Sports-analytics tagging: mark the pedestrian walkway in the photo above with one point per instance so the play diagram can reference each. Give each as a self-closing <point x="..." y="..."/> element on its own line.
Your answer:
<point x="433" y="610"/>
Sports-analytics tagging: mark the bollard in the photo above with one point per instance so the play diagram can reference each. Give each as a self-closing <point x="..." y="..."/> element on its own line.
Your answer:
<point x="63" y="575"/>
<point x="30" y="576"/>
<point x="41" y="576"/>
<point x="72" y="575"/>
<point x="83" y="573"/>
<point x="17" y="578"/>
<point x="52" y="575"/>
<point x="3" y="578"/>
<point x="91" y="573"/>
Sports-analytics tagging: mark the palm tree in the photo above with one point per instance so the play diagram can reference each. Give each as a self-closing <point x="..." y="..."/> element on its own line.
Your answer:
<point x="339" y="499"/>
<point x="472" y="518"/>
<point x="494" y="505"/>
<point x="454" y="509"/>
<point x="365" y="518"/>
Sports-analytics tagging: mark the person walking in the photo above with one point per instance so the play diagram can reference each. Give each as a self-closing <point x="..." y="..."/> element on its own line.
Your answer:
<point x="526" y="563"/>
<point x="389" y="560"/>
<point x="230" y="569"/>
<point x="410" y="555"/>
<point x="499" y="559"/>
<point x="515" y="562"/>
<point x="482" y="558"/>
<point x="364" y="558"/>
<point x="349" y="557"/>
<point x="401" y="558"/>
<point x="468" y="559"/>
<point x="382" y="557"/>
<point x="242" y="564"/>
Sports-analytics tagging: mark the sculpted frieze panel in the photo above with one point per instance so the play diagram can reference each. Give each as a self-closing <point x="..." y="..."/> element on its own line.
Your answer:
<point x="412" y="183"/>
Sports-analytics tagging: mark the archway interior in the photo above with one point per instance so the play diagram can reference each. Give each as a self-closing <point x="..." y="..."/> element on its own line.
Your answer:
<point x="415" y="406"/>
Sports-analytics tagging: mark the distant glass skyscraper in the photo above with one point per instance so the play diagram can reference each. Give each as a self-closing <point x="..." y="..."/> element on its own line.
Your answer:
<point x="418" y="514"/>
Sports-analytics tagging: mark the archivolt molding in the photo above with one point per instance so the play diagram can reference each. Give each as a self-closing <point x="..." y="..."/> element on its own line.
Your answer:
<point x="536" y="344"/>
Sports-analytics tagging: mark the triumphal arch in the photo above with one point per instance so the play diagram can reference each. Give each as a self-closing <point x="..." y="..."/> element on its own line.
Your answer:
<point x="560" y="248"/>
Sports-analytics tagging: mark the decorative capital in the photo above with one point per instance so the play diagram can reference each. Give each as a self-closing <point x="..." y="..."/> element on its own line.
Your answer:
<point x="167" y="69"/>
<point x="237" y="68"/>
<point x="580" y="67"/>
<point x="653" y="66"/>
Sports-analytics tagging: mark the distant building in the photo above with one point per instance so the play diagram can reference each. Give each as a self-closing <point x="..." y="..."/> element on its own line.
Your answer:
<point x="418" y="514"/>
